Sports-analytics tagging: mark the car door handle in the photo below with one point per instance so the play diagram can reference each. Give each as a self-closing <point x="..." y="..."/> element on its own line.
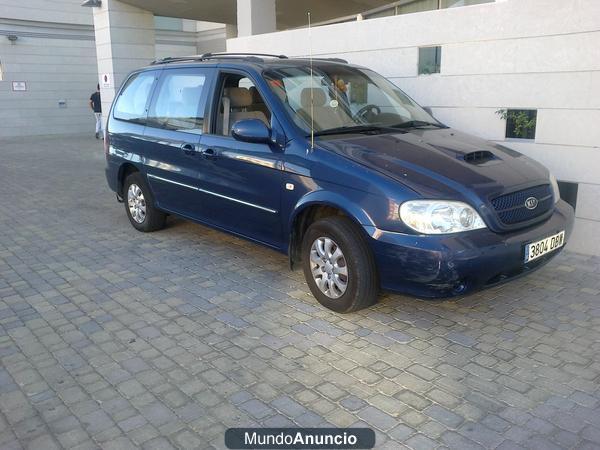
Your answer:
<point x="188" y="149"/>
<point x="208" y="153"/>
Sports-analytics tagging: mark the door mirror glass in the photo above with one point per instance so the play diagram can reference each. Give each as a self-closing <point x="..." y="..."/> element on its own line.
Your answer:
<point x="251" y="130"/>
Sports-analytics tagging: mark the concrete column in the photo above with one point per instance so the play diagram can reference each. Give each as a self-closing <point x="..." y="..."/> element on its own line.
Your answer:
<point x="124" y="42"/>
<point x="255" y="17"/>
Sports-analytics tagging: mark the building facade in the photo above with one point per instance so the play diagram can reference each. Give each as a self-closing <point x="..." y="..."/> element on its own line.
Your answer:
<point x="48" y="62"/>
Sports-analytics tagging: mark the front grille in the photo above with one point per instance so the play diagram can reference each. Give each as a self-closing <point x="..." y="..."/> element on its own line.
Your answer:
<point x="511" y="207"/>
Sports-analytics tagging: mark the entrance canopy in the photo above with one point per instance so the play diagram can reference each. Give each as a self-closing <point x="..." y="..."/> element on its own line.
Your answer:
<point x="289" y="13"/>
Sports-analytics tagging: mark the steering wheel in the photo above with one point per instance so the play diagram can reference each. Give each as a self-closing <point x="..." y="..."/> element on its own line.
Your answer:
<point x="370" y="108"/>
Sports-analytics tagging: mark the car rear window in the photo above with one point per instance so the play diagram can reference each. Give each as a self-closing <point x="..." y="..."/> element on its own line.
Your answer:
<point x="133" y="99"/>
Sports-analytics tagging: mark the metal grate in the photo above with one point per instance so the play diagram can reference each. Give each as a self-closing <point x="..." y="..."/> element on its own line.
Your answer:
<point x="479" y="157"/>
<point x="511" y="207"/>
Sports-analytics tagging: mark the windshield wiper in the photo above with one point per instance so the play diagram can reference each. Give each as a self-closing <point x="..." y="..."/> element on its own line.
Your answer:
<point x="350" y="129"/>
<point x="418" y="124"/>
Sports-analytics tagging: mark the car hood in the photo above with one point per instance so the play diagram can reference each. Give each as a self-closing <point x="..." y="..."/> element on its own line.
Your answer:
<point x="438" y="163"/>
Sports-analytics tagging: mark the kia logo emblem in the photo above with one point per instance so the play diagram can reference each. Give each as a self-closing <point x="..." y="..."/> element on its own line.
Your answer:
<point x="531" y="203"/>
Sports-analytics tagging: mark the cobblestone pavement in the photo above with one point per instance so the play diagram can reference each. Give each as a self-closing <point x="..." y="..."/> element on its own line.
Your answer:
<point x="112" y="339"/>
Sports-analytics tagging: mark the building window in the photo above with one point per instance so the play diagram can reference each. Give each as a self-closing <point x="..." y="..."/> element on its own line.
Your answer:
<point x="168" y="23"/>
<point x="520" y="123"/>
<point x="414" y="6"/>
<point x="457" y="3"/>
<point x="430" y="60"/>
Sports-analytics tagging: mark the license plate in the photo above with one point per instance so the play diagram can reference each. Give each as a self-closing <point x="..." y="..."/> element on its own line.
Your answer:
<point x="537" y="249"/>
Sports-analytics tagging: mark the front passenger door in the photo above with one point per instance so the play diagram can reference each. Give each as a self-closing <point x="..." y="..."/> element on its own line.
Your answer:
<point x="241" y="181"/>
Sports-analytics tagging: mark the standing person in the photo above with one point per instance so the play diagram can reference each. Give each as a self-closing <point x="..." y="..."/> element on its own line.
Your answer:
<point x="97" y="108"/>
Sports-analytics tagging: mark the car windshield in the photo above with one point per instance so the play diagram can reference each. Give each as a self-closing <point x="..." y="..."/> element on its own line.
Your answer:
<point x="336" y="97"/>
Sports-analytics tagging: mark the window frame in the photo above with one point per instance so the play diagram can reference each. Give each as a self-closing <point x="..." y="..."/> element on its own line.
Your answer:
<point x="438" y="56"/>
<point x="128" y="81"/>
<point x="208" y="73"/>
<point x="509" y="126"/>
<point x="219" y="86"/>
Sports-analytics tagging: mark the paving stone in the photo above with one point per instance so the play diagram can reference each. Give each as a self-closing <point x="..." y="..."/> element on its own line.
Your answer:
<point x="353" y="403"/>
<point x="96" y="422"/>
<point x="401" y="432"/>
<point x="412" y="399"/>
<point x="421" y="442"/>
<point x="90" y="327"/>
<point x="461" y="338"/>
<point x="591" y="434"/>
<point x="159" y="443"/>
<point x="481" y="434"/>
<point x="256" y="409"/>
<point x="377" y="418"/>
<point x="331" y="391"/>
<point x="422" y="372"/>
<point x="443" y="416"/>
<point x="287" y="406"/>
<point x="158" y="414"/>
<point x="132" y="423"/>
<point x="399" y="336"/>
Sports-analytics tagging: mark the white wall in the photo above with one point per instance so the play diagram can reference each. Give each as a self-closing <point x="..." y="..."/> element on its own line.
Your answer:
<point x="541" y="54"/>
<point x="57" y="11"/>
<point x="57" y="63"/>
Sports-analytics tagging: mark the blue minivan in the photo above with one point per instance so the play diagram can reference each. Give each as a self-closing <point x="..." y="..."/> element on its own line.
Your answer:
<point x="335" y="166"/>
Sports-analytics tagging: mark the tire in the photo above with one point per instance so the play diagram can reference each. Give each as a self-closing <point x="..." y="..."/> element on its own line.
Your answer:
<point x="361" y="285"/>
<point x="142" y="214"/>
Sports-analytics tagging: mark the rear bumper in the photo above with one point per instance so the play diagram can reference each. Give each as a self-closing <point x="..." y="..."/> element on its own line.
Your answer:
<point x="111" y="172"/>
<point x="449" y="265"/>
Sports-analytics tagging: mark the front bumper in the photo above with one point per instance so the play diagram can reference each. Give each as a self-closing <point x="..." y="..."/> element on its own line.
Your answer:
<point x="456" y="264"/>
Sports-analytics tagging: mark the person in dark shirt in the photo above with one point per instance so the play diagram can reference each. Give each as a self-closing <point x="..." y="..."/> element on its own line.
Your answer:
<point x="96" y="106"/>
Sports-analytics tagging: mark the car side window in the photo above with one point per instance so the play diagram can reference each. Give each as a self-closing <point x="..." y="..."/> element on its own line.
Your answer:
<point x="180" y="101"/>
<point x="132" y="101"/>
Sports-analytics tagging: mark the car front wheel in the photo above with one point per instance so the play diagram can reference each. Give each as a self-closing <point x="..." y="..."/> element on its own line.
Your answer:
<point x="338" y="265"/>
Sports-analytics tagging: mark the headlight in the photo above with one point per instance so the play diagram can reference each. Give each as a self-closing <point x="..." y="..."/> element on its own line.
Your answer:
<point x="439" y="216"/>
<point x="555" y="190"/>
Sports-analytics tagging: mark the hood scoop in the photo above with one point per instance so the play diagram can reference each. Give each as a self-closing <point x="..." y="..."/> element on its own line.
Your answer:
<point x="479" y="157"/>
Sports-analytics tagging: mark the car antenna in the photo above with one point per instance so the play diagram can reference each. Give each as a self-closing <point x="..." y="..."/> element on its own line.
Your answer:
<point x="312" y="112"/>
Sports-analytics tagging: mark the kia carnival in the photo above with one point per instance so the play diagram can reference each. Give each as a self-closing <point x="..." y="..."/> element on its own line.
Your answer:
<point x="333" y="165"/>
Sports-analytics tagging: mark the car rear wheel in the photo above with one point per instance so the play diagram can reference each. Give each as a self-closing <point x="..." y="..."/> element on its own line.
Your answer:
<point x="338" y="265"/>
<point x="139" y="205"/>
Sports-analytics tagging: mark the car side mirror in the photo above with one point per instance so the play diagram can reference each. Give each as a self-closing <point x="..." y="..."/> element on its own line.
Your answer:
<point x="251" y="130"/>
<point x="428" y="110"/>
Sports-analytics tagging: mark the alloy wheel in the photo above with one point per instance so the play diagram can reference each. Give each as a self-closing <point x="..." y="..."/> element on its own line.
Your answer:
<point x="328" y="267"/>
<point x="136" y="203"/>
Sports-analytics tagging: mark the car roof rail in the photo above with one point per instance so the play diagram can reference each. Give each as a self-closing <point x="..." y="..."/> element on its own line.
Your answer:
<point x="242" y="54"/>
<point x="170" y="59"/>
<point x="339" y="60"/>
<point x="206" y="56"/>
<point x="250" y="57"/>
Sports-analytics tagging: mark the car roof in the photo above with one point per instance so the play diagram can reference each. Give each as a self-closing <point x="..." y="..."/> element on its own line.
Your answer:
<point x="257" y="61"/>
